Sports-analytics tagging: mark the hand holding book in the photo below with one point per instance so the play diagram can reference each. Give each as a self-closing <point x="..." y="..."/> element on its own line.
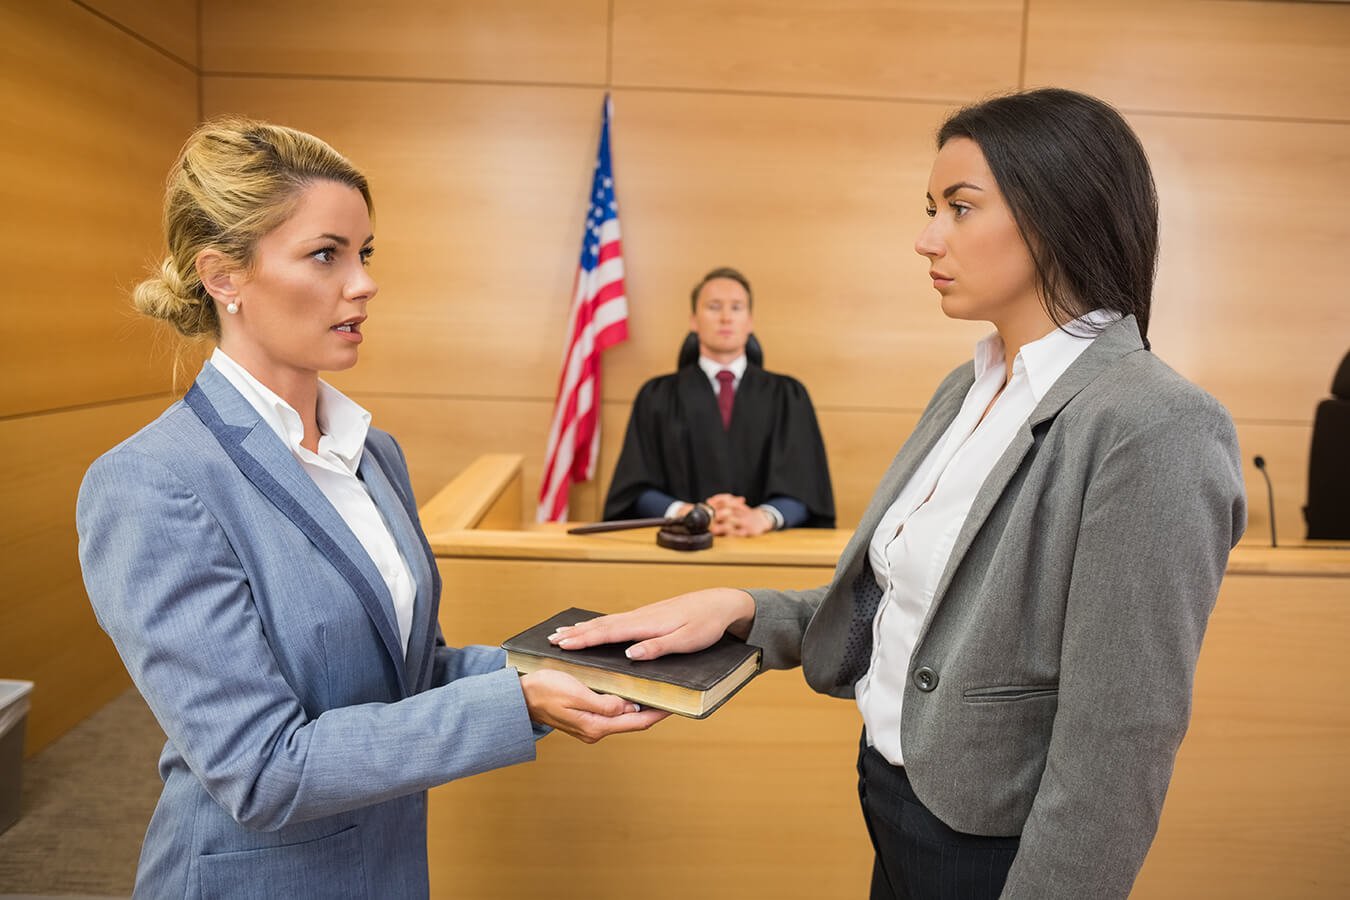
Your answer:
<point x="559" y="701"/>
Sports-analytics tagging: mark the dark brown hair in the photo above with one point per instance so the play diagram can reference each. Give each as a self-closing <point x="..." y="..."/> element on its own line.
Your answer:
<point x="1080" y="188"/>
<point x="722" y="272"/>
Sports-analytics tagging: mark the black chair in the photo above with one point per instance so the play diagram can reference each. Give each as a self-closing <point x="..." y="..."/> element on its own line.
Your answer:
<point x="1328" y="509"/>
<point x="689" y="351"/>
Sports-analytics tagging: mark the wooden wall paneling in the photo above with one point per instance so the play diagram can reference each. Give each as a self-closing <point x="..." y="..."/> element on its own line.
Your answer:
<point x="819" y="203"/>
<point x="170" y="25"/>
<point x="480" y="196"/>
<point x="1284" y="60"/>
<point x="1251" y="300"/>
<point x="441" y="436"/>
<point x="48" y="633"/>
<point x="663" y="809"/>
<point x="525" y="40"/>
<point x="893" y="48"/>
<point x="102" y="117"/>
<point x="1260" y="795"/>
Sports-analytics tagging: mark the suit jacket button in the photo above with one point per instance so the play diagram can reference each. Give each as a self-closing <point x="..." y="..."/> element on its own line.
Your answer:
<point x="925" y="679"/>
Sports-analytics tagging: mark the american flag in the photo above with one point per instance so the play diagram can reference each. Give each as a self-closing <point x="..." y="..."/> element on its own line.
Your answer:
<point x="598" y="320"/>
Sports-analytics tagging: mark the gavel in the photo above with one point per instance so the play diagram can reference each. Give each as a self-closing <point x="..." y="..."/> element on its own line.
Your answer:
<point x="686" y="532"/>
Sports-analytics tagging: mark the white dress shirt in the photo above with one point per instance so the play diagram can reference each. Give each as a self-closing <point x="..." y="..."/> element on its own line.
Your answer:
<point x="343" y="424"/>
<point x="913" y="543"/>
<point x="711" y="368"/>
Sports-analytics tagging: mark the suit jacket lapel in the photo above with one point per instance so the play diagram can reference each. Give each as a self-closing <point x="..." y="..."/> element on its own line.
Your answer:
<point x="415" y="553"/>
<point x="1114" y="342"/>
<point x="929" y="430"/>
<point x="264" y="460"/>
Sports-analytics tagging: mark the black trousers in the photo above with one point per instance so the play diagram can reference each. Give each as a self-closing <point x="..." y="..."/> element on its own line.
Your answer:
<point x="917" y="856"/>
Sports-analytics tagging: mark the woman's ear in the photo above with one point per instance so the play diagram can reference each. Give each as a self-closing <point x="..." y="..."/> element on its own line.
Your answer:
<point x="218" y="276"/>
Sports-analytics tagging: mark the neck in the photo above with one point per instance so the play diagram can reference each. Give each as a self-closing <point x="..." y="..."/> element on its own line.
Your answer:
<point x="299" y="388"/>
<point x="1018" y="331"/>
<point x="721" y="358"/>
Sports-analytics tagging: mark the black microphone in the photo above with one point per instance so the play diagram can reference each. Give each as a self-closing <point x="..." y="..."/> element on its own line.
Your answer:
<point x="1260" y="462"/>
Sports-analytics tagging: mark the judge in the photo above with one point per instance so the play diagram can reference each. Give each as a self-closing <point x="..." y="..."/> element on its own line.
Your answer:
<point x="723" y="431"/>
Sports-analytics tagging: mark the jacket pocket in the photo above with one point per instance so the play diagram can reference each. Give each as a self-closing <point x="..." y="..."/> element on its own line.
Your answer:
<point x="329" y="867"/>
<point x="1001" y="693"/>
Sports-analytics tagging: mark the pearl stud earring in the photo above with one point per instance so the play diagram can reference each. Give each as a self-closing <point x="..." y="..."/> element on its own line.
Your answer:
<point x="232" y="308"/>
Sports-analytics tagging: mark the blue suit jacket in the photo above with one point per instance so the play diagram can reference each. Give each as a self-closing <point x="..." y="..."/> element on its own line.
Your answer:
<point x="301" y="739"/>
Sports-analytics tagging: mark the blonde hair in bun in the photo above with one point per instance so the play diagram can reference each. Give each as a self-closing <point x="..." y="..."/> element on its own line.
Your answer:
<point x="234" y="181"/>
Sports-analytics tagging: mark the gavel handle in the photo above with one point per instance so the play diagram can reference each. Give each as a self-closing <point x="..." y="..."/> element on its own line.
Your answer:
<point x="620" y="526"/>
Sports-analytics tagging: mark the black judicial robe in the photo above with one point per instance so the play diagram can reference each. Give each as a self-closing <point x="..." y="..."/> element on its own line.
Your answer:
<point x="676" y="444"/>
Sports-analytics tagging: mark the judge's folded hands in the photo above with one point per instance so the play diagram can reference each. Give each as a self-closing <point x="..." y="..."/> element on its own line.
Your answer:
<point x="559" y="701"/>
<point x="681" y="624"/>
<point x="733" y="516"/>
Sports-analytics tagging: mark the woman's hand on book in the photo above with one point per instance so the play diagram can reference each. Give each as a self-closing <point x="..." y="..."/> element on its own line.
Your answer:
<point x="681" y="624"/>
<point x="560" y="701"/>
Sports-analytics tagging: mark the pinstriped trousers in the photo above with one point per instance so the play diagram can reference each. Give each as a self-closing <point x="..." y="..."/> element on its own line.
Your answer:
<point x="917" y="856"/>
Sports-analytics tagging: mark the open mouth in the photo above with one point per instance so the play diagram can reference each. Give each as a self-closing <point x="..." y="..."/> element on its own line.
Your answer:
<point x="351" y="326"/>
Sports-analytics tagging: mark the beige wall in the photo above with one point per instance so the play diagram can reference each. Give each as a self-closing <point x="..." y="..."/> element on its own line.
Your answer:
<point x="98" y="97"/>
<point x="792" y="140"/>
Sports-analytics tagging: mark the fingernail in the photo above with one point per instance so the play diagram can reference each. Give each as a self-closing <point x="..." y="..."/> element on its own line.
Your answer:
<point x="632" y="708"/>
<point x="635" y="652"/>
<point x="566" y="642"/>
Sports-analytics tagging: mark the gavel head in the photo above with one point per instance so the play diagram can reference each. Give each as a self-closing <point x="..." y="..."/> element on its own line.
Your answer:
<point x="690" y="532"/>
<point x="698" y="520"/>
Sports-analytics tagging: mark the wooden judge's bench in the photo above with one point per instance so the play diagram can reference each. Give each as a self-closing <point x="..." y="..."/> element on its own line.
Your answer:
<point x="760" y="799"/>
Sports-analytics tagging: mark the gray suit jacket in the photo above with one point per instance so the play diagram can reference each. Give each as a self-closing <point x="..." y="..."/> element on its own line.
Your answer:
<point x="301" y="738"/>
<point x="1051" y="683"/>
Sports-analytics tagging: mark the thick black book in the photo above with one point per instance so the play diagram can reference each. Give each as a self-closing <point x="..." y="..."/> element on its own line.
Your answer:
<point x="690" y="684"/>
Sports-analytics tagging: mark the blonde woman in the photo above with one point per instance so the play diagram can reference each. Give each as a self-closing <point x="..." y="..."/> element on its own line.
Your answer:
<point x="255" y="554"/>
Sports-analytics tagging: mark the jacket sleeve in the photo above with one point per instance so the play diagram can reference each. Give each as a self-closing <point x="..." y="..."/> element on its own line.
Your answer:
<point x="780" y="624"/>
<point x="170" y="591"/>
<point x="1160" y="514"/>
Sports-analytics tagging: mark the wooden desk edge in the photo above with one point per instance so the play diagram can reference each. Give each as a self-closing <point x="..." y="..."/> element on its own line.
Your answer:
<point x="485" y="486"/>
<point x="476" y="515"/>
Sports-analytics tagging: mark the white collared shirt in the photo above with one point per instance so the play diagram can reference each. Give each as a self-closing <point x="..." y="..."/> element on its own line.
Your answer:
<point x="343" y="424"/>
<point x="913" y="543"/>
<point x="711" y="368"/>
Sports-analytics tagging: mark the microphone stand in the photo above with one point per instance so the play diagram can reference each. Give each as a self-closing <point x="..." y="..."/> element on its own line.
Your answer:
<point x="1260" y="462"/>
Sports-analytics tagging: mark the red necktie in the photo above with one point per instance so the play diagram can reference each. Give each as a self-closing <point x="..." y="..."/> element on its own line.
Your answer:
<point x="726" y="395"/>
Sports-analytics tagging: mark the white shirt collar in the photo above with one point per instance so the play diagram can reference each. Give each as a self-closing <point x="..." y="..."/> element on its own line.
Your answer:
<point x="343" y="422"/>
<point x="711" y="368"/>
<point x="1045" y="359"/>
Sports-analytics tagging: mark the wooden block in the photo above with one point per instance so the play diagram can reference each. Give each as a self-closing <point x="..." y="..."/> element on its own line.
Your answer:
<point x="526" y="40"/>
<point x="1280" y="60"/>
<point x="103" y="117"/>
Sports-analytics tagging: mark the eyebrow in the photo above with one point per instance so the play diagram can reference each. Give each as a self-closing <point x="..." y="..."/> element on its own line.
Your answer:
<point x="339" y="239"/>
<point x="956" y="187"/>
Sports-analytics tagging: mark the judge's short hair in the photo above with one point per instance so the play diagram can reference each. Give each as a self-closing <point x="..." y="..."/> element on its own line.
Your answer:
<point x="721" y="272"/>
<point x="1079" y="186"/>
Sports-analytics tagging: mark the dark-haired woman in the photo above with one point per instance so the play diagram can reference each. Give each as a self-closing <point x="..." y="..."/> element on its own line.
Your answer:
<point x="1021" y="608"/>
